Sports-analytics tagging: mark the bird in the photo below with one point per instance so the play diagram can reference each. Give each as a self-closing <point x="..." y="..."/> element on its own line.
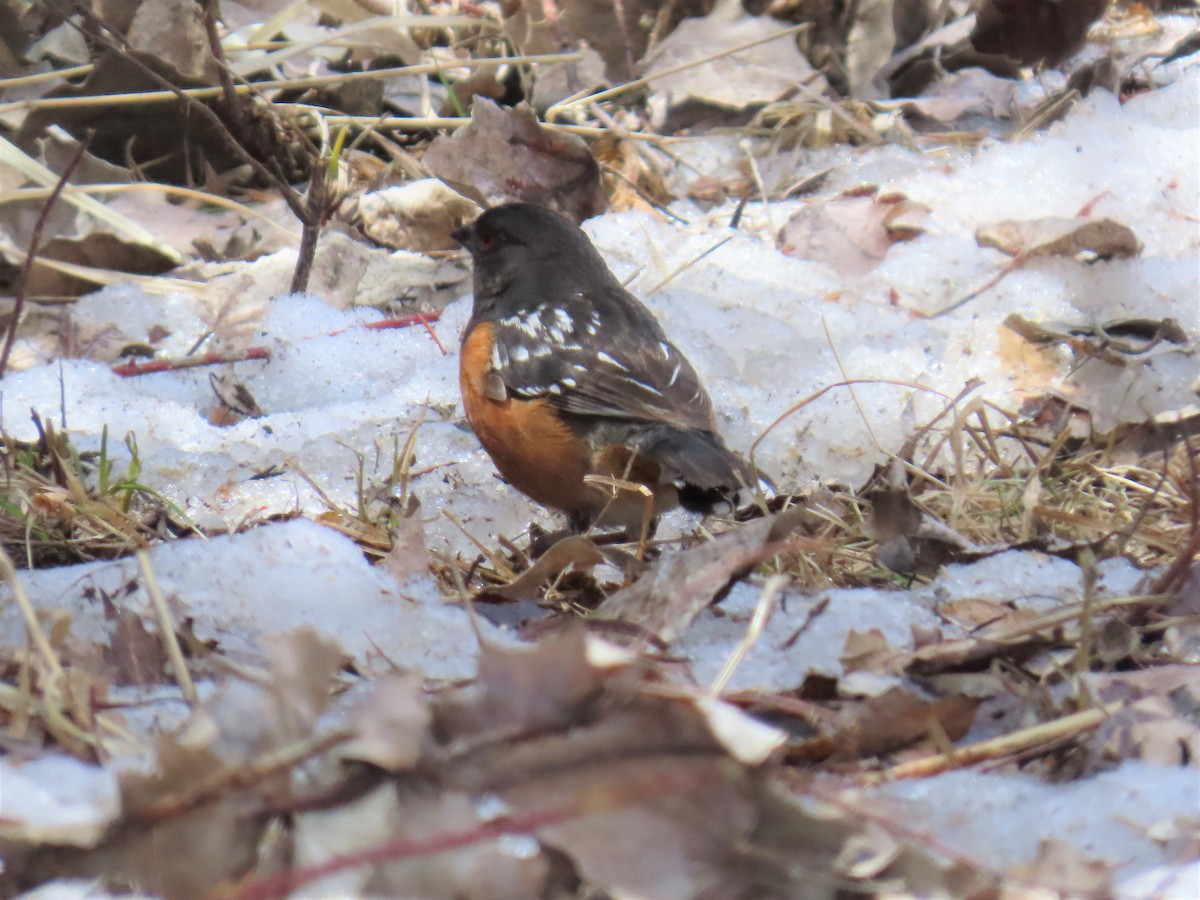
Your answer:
<point x="1034" y="31"/>
<point x="565" y="374"/>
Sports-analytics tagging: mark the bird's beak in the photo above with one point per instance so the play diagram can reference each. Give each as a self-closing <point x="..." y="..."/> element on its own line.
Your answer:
<point x="464" y="234"/>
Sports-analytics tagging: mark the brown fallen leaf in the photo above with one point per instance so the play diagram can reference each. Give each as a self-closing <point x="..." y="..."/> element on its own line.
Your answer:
<point x="185" y="826"/>
<point x="756" y="75"/>
<point x="98" y="250"/>
<point x="1098" y="342"/>
<point x="391" y="726"/>
<point x="575" y="552"/>
<point x="852" y="232"/>
<point x="506" y="154"/>
<point x="862" y="649"/>
<point x="595" y="31"/>
<point x="632" y="182"/>
<point x="869" y="45"/>
<point x="666" y="599"/>
<point x="874" y="715"/>
<point x="1158" y="722"/>
<point x="1062" y="867"/>
<point x="615" y="31"/>
<point x="157" y="152"/>
<point x="173" y="30"/>
<point x="1103" y="238"/>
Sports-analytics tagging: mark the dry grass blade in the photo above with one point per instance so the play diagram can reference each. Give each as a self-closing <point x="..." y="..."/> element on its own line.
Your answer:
<point x="251" y="63"/>
<point x="8" y="572"/>
<point x="1001" y="747"/>
<point x="14" y="157"/>
<point x="166" y="628"/>
<point x="758" y="623"/>
<point x="139" y="98"/>
<point x="203" y="197"/>
<point x="159" y="285"/>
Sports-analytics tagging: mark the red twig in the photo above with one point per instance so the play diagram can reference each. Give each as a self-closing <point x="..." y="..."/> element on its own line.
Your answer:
<point x="403" y="321"/>
<point x="31" y="252"/>
<point x="283" y="883"/>
<point x="635" y="792"/>
<point x="128" y="370"/>
<point x="425" y="319"/>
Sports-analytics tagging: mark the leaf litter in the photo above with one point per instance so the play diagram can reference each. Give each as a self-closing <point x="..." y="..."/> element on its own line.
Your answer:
<point x="954" y="655"/>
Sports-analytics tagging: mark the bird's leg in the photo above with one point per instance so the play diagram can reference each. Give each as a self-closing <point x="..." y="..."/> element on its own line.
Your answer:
<point x="648" y="522"/>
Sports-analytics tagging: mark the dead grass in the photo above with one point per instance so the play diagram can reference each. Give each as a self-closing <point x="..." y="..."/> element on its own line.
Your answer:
<point x="60" y="506"/>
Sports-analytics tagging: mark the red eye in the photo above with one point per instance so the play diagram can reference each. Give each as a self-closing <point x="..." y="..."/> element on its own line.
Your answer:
<point x="488" y="241"/>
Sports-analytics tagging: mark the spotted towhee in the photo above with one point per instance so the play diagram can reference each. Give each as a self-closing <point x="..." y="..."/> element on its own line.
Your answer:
<point x="564" y="373"/>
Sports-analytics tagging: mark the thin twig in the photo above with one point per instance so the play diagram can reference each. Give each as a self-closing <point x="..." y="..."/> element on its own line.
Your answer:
<point x="849" y="385"/>
<point x="796" y="407"/>
<point x="553" y="112"/>
<point x="35" y="241"/>
<point x="136" y="98"/>
<point x="240" y="776"/>
<point x="680" y="269"/>
<point x="128" y="370"/>
<point x="1015" y="263"/>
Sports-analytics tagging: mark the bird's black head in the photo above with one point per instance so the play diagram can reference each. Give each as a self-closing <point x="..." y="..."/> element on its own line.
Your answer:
<point x="522" y="244"/>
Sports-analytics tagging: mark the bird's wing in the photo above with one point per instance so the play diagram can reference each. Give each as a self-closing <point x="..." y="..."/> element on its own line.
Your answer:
<point x="596" y="359"/>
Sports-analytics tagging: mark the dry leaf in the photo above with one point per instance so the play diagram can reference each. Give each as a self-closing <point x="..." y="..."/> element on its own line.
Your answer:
<point x="97" y="250"/>
<point x="409" y="556"/>
<point x="157" y="147"/>
<point x="392" y="725"/>
<point x="173" y="31"/>
<point x="757" y="75"/>
<point x="616" y="32"/>
<point x="863" y="648"/>
<point x="666" y="599"/>
<point x="575" y="552"/>
<point x="869" y="46"/>
<point x="971" y="91"/>
<point x="1103" y="238"/>
<point x="852" y="232"/>
<point x="506" y="154"/>
<point x="1061" y="867"/>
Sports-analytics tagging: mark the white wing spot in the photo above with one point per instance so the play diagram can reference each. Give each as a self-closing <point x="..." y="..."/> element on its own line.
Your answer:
<point x="604" y="357"/>
<point x="646" y="387"/>
<point x="542" y="350"/>
<point x="554" y="389"/>
<point x="569" y="382"/>
<point x="675" y="374"/>
<point x="665" y="348"/>
<point x="497" y="362"/>
<point x="520" y="353"/>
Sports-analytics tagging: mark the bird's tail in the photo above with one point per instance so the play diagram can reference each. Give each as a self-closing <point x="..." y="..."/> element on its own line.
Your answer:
<point x="706" y="472"/>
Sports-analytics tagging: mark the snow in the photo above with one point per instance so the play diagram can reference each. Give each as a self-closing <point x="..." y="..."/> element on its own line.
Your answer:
<point x="765" y="331"/>
<point x="782" y="657"/>
<point x="999" y="820"/>
<point x="270" y="580"/>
